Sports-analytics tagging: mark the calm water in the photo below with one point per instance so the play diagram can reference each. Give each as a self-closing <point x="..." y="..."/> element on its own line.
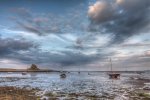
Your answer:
<point x="96" y="83"/>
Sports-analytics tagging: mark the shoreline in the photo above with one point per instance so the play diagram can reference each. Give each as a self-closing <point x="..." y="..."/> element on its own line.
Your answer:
<point x="24" y="70"/>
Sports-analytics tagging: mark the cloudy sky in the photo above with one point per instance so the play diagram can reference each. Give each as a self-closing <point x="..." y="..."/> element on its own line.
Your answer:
<point x="75" y="34"/>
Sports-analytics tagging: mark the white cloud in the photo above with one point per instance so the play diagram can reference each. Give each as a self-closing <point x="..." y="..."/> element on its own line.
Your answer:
<point x="11" y="63"/>
<point x="100" y="11"/>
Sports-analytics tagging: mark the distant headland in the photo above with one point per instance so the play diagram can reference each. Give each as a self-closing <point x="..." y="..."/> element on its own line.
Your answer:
<point x="32" y="68"/>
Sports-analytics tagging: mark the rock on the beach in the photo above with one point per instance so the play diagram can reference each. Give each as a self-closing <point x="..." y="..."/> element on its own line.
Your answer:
<point x="147" y="86"/>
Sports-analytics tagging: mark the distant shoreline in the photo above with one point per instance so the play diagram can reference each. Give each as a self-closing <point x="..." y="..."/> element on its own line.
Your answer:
<point x="47" y="70"/>
<point x="23" y="70"/>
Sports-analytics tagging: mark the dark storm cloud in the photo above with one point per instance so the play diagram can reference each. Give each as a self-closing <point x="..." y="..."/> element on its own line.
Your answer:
<point x="62" y="58"/>
<point x="27" y="52"/>
<point x="123" y="18"/>
<point x="78" y="58"/>
<point x="10" y="45"/>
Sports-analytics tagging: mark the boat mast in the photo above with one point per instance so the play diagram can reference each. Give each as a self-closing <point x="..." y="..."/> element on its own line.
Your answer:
<point x="111" y="64"/>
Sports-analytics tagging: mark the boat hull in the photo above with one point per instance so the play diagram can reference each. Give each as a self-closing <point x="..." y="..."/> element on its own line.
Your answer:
<point x="114" y="75"/>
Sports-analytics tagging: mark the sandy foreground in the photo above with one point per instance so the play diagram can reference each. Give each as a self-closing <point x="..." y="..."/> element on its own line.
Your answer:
<point x="13" y="93"/>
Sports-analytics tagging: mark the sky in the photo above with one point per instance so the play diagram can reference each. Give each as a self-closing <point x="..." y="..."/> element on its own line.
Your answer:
<point x="75" y="34"/>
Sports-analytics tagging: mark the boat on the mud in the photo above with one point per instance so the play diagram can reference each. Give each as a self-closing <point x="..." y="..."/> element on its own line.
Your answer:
<point x="89" y="73"/>
<point x="63" y="75"/>
<point x="24" y="73"/>
<point x="112" y="74"/>
<point x="79" y="71"/>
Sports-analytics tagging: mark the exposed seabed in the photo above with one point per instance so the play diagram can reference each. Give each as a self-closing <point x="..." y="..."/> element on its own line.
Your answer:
<point x="83" y="86"/>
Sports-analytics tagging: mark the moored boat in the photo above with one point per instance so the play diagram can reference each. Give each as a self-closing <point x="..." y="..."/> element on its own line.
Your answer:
<point x="24" y="73"/>
<point x="113" y="75"/>
<point x="62" y="75"/>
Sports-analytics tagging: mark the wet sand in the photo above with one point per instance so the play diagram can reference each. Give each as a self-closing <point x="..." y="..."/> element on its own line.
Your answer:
<point x="96" y="86"/>
<point x="14" y="93"/>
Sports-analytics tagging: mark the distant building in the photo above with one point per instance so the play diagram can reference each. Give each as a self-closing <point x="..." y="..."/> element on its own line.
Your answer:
<point x="33" y="67"/>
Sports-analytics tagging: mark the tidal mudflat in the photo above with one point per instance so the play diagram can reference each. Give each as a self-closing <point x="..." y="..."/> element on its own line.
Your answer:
<point x="76" y="86"/>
